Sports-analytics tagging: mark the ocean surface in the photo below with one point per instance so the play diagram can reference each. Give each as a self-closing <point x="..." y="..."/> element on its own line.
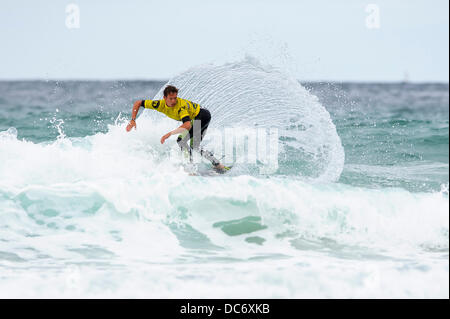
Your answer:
<point x="356" y="207"/>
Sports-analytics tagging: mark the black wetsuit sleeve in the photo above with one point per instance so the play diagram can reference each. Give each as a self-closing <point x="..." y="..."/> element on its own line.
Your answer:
<point x="185" y="119"/>
<point x="143" y="103"/>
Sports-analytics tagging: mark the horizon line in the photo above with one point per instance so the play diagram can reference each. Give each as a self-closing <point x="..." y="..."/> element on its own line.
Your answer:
<point x="166" y="80"/>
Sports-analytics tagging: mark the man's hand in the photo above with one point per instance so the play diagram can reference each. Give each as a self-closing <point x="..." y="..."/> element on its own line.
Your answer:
<point x="131" y="125"/>
<point x="165" y="137"/>
<point x="137" y="104"/>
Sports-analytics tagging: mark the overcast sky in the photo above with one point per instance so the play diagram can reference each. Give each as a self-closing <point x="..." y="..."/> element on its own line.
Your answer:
<point x="314" y="39"/>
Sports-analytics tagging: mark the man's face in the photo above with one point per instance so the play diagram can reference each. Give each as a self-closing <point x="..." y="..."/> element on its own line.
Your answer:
<point x="171" y="99"/>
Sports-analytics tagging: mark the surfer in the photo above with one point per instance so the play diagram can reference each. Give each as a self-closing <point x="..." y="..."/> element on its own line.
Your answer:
<point x="193" y="116"/>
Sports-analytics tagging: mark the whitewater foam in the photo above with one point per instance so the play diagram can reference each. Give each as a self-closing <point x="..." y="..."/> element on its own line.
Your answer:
<point x="65" y="180"/>
<point x="115" y="213"/>
<point x="249" y="94"/>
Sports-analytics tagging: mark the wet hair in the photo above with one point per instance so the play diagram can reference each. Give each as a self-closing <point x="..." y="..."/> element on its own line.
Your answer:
<point x="170" y="89"/>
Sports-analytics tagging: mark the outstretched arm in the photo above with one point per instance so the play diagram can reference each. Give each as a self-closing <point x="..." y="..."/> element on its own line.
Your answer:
<point x="185" y="126"/>
<point x="134" y="113"/>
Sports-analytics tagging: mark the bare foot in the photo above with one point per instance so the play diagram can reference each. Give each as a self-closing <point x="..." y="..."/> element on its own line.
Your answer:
<point x="220" y="166"/>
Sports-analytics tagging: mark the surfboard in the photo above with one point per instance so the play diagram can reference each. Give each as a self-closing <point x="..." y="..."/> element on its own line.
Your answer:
<point x="209" y="172"/>
<point x="225" y="170"/>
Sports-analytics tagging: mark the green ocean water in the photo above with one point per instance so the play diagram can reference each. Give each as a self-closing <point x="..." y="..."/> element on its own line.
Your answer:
<point x="357" y="207"/>
<point x="394" y="135"/>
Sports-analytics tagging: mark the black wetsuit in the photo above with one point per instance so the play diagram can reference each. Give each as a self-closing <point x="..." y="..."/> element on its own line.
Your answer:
<point x="204" y="117"/>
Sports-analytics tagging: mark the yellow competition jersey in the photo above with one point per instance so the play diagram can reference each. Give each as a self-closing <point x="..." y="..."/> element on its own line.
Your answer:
<point x="181" y="109"/>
